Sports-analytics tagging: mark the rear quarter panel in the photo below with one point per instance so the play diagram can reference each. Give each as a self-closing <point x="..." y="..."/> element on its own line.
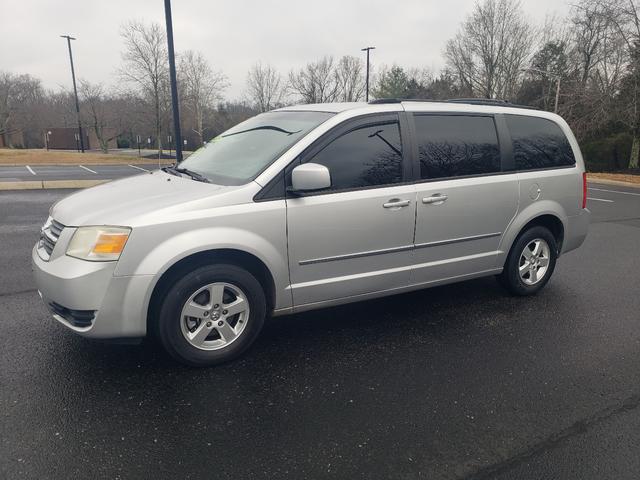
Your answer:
<point x="560" y="196"/>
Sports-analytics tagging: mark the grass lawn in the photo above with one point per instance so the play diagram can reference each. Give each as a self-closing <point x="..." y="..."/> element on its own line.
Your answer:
<point x="10" y="156"/>
<point x="618" y="177"/>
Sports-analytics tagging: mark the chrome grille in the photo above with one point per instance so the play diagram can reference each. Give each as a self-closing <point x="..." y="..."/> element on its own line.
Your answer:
<point x="49" y="236"/>
<point x="56" y="228"/>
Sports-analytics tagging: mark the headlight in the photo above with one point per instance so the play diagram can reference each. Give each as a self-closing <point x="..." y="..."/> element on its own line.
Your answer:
<point x="98" y="244"/>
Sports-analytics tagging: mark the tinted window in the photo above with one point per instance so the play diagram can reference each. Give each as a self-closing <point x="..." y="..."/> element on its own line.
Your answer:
<point x="455" y="145"/>
<point x="538" y="143"/>
<point x="239" y="154"/>
<point x="364" y="157"/>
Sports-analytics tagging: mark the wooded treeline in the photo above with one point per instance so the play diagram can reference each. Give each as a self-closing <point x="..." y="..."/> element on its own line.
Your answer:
<point x="587" y="63"/>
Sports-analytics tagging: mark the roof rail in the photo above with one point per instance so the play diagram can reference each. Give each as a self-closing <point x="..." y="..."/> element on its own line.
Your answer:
<point x="494" y="102"/>
<point x="468" y="101"/>
<point x="479" y="101"/>
<point x="383" y="101"/>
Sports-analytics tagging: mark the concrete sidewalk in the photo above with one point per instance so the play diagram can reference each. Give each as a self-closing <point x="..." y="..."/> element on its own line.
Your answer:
<point x="50" y="184"/>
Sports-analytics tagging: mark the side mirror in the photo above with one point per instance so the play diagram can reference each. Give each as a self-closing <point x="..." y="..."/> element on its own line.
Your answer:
<point x="310" y="177"/>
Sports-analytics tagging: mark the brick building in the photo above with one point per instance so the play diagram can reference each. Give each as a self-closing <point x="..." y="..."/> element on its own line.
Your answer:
<point x="66" y="138"/>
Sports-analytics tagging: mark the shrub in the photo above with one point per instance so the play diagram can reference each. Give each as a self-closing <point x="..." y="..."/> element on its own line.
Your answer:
<point x="608" y="154"/>
<point x="123" y="142"/>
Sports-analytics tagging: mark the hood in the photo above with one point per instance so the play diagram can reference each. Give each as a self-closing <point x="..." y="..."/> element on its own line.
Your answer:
<point x="128" y="201"/>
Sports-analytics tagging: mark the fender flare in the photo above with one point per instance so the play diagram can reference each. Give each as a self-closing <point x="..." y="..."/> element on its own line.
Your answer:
<point x="525" y="217"/>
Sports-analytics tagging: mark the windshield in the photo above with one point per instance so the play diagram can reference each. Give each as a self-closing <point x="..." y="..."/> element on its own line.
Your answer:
<point x="240" y="154"/>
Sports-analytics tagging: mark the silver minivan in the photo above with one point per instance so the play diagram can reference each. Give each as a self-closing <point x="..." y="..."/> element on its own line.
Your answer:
<point x="312" y="206"/>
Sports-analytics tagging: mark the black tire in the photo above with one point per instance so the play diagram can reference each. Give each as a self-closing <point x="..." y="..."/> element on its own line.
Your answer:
<point x="510" y="276"/>
<point x="169" y="329"/>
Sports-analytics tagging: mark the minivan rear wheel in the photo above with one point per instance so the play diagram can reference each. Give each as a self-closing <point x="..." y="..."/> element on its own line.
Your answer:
<point x="531" y="262"/>
<point x="211" y="315"/>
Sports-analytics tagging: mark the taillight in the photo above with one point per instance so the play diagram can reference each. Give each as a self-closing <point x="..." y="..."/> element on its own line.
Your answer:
<point x="584" y="190"/>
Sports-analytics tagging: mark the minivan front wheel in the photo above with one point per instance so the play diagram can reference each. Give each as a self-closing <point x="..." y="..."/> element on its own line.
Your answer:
<point x="211" y="315"/>
<point x="531" y="262"/>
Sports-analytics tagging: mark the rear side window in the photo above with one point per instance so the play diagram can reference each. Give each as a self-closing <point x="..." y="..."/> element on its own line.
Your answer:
<point x="456" y="145"/>
<point x="538" y="143"/>
<point x="367" y="156"/>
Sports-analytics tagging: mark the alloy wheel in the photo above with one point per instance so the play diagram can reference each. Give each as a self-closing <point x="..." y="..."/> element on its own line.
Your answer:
<point x="534" y="261"/>
<point x="214" y="316"/>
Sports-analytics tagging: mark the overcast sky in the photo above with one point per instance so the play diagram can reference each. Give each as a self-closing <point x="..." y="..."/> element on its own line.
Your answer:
<point x="233" y="34"/>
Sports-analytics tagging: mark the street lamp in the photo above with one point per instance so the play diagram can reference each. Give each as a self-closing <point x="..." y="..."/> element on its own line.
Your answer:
<point x="368" y="50"/>
<point x="552" y="75"/>
<point x="172" y="77"/>
<point x="75" y="90"/>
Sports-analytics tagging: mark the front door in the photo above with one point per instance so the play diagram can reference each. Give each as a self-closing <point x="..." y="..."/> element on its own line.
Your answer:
<point x="356" y="237"/>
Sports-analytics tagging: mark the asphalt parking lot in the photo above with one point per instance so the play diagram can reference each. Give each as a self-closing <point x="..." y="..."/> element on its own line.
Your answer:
<point x="455" y="382"/>
<point x="25" y="173"/>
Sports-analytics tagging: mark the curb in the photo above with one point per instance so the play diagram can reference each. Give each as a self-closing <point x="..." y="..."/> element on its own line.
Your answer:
<point x="50" y="184"/>
<point x="605" y="181"/>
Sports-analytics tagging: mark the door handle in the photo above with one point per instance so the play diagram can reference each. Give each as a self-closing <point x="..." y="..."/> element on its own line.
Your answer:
<point x="397" y="203"/>
<point x="437" y="199"/>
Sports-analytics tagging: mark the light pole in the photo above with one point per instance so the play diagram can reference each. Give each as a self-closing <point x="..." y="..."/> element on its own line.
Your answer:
<point x="75" y="90"/>
<point x="172" y="77"/>
<point x="552" y="75"/>
<point x="368" y="50"/>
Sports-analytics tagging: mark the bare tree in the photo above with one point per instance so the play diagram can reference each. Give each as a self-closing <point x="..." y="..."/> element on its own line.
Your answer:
<point x="317" y="82"/>
<point x="625" y="15"/>
<point x="20" y="95"/>
<point x="8" y="103"/>
<point x="97" y="113"/>
<point x="350" y="78"/>
<point x="129" y="115"/>
<point x="265" y="87"/>
<point x="572" y="55"/>
<point x="607" y="66"/>
<point x="201" y="85"/>
<point x="491" y="49"/>
<point x="58" y="109"/>
<point x="145" y="64"/>
<point x="589" y="24"/>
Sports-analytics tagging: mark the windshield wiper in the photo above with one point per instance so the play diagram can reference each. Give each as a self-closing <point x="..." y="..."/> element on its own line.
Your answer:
<point x="264" y="127"/>
<point x="195" y="175"/>
<point x="185" y="171"/>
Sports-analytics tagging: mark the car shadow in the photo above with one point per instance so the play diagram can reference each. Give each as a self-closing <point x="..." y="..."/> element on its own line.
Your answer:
<point x="390" y="320"/>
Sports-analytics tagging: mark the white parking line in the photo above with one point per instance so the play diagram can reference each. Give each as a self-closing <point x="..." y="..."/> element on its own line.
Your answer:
<point x="614" y="191"/>
<point x="87" y="169"/>
<point x="30" y="170"/>
<point x="139" y="168"/>
<point x="600" y="200"/>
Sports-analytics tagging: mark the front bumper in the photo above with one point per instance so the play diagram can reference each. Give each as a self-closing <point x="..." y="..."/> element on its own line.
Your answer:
<point x="87" y="298"/>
